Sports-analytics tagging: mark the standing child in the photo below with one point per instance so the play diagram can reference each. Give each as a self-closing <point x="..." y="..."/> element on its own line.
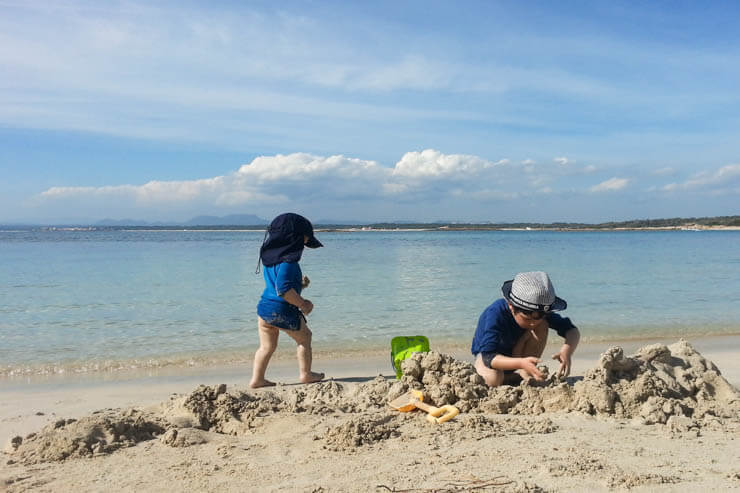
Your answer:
<point x="512" y="332"/>
<point x="282" y="307"/>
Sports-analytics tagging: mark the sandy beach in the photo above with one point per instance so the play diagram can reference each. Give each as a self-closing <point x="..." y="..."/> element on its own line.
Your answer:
<point x="662" y="415"/>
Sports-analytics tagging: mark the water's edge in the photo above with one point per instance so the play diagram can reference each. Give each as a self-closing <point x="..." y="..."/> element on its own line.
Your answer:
<point x="242" y="357"/>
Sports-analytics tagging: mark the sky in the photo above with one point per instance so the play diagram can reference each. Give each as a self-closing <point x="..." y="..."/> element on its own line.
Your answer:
<point x="472" y="111"/>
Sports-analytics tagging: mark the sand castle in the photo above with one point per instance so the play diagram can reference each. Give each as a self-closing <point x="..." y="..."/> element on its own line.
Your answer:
<point x="668" y="385"/>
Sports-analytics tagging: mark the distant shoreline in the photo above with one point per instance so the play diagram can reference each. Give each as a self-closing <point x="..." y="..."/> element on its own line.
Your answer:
<point x="370" y="229"/>
<point x="715" y="223"/>
<point x="463" y="228"/>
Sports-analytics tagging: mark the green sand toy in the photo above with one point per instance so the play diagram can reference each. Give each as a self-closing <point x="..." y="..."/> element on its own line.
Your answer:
<point x="404" y="346"/>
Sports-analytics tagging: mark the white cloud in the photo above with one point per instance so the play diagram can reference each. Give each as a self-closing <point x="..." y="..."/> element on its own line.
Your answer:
<point x="423" y="175"/>
<point x="303" y="166"/>
<point x="610" y="185"/>
<point x="239" y="197"/>
<point x="305" y="175"/>
<point x="149" y="193"/>
<point x="266" y="179"/>
<point x="432" y="164"/>
<point x="724" y="180"/>
<point x="562" y="161"/>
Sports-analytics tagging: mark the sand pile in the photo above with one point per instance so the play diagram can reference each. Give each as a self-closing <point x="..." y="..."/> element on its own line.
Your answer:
<point x="443" y="379"/>
<point x="212" y="408"/>
<point x="364" y="429"/>
<point x="660" y="383"/>
<point x="100" y="433"/>
<point x="672" y="385"/>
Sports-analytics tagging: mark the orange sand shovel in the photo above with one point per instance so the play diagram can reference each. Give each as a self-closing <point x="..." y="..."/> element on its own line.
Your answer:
<point x="413" y="399"/>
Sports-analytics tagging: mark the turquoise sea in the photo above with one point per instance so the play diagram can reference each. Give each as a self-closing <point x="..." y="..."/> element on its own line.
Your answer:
<point x="80" y="301"/>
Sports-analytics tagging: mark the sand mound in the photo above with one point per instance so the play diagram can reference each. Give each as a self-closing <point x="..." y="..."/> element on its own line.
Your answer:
<point x="183" y="437"/>
<point x="361" y="430"/>
<point x="372" y="395"/>
<point x="443" y="380"/>
<point x="672" y="385"/>
<point x="322" y="398"/>
<point x="212" y="408"/>
<point x="658" y="383"/>
<point x="100" y="433"/>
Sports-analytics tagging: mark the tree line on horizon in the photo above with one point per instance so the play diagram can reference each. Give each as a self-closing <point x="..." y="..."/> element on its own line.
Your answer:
<point x="630" y="224"/>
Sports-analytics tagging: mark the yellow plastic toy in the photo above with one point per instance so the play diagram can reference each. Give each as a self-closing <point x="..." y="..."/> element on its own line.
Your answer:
<point x="413" y="399"/>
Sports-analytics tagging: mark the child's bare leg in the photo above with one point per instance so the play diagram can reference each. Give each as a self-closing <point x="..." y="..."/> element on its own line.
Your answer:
<point x="304" y="352"/>
<point x="268" y="342"/>
<point x="491" y="376"/>
<point x="532" y="343"/>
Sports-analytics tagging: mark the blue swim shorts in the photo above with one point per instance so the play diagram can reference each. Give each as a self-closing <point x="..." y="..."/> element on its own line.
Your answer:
<point x="283" y="315"/>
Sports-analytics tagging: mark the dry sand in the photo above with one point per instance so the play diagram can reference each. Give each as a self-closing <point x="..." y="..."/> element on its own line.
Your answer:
<point x="659" y="418"/>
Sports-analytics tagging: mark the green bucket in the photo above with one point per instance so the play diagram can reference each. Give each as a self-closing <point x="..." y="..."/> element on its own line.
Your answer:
<point x="404" y="346"/>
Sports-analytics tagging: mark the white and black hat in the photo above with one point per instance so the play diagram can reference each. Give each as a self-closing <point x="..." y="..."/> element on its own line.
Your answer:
<point x="532" y="291"/>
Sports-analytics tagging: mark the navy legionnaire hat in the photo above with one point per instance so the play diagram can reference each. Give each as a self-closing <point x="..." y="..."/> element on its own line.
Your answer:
<point x="284" y="239"/>
<point x="533" y="291"/>
<point x="291" y="223"/>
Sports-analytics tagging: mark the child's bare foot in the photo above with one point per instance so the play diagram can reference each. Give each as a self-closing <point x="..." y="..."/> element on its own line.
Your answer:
<point x="312" y="377"/>
<point x="255" y="384"/>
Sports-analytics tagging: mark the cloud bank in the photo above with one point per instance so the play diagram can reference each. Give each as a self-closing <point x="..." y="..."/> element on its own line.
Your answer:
<point x="423" y="177"/>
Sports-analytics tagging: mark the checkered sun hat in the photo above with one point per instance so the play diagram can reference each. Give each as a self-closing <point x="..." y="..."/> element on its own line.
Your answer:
<point x="533" y="291"/>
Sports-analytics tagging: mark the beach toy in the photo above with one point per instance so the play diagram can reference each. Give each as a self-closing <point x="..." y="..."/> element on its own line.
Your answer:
<point x="413" y="399"/>
<point x="404" y="346"/>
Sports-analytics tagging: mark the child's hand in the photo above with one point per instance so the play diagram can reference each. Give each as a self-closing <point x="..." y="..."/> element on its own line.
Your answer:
<point x="563" y="356"/>
<point x="306" y="307"/>
<point x="305" y="281"/>
<point x="529" y="366"/>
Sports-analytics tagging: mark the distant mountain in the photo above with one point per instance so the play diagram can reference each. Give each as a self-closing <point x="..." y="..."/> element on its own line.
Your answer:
<point x="230" y="220"/>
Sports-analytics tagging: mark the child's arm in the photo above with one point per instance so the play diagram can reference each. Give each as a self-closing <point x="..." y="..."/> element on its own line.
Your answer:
<point x="528" y="364"/>
<point x="569" y="347"/>
<point x="292" y="297"/>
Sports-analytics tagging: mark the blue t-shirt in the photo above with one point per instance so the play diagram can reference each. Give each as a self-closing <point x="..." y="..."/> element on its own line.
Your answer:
<point x="279" y="279"/>
<point x="498" y="332"/>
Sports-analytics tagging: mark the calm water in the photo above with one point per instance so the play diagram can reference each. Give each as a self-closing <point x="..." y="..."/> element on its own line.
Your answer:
<point x="71" y="301"/>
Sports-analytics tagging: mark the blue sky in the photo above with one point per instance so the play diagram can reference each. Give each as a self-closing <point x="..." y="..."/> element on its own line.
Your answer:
<point x="369" y="111"/>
